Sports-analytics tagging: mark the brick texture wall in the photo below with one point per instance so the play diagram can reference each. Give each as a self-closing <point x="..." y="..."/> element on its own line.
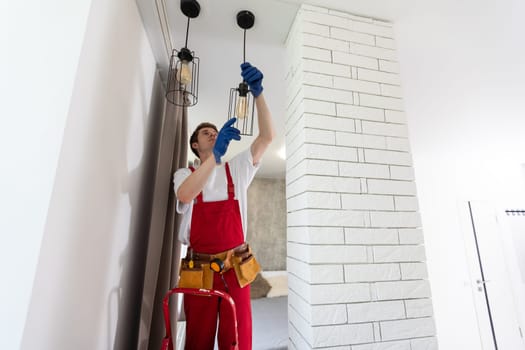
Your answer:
<point x="355" y="254"/>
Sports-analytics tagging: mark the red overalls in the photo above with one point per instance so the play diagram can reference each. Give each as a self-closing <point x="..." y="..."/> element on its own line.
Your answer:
<point x="217" y="227"/>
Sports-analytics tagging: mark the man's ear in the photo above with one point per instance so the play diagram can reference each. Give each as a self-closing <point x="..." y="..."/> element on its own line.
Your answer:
<point x="195" y="145"/>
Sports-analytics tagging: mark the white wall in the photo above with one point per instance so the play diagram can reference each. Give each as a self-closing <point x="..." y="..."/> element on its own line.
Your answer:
<point x="40" y="46"/>
<point x="356" y="261"/>
<point x="87" y="251"/>
<point x="463" y="78"/>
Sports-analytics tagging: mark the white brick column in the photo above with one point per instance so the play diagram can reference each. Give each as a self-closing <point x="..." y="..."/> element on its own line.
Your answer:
<point x="356" y="261"/>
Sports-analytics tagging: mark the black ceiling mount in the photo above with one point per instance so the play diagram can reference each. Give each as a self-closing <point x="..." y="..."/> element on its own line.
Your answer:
<point x="245" y="19"/>
<point x="190" y="8"/>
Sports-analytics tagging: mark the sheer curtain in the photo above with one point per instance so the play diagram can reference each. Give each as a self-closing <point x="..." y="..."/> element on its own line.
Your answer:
<point x="163" y="249"/>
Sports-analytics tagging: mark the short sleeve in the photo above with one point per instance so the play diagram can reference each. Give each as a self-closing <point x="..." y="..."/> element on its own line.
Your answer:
<point x="243" y="169"/>
<point x="178" y="178"/>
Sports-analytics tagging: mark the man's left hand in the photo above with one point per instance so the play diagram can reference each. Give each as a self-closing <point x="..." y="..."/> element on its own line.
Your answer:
<point x="253" y="78"/>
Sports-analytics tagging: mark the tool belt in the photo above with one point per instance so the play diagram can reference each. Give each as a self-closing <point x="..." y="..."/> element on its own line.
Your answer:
<point x="196" y="269"/>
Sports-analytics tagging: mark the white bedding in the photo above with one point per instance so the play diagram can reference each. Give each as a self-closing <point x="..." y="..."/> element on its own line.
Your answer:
<point x="270" y="323"/>
<point x="270" y="314"/>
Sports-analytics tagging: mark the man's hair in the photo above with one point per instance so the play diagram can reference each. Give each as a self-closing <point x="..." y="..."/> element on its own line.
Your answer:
<point x="194" y="137"/>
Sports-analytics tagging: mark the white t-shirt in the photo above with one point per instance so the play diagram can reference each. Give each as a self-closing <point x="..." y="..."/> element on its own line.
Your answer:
<point x="242" y="171"/>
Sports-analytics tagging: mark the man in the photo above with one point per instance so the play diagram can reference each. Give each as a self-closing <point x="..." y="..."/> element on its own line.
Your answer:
<point x="213" y="201"/>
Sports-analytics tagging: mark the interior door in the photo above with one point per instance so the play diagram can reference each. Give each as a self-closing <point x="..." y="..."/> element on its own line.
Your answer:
<point x="512" y="221"/>
<point x="495" y="275"/>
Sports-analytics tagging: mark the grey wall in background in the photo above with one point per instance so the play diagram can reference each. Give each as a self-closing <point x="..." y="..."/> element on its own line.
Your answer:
<point x="267" y="222"/>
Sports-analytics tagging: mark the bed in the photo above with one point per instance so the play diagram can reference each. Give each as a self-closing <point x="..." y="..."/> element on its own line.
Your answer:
<point x="270" y="311"/>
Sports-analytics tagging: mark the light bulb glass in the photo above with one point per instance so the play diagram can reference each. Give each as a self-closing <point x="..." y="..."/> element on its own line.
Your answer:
<point x="242" y="107"/>
<point x="184" y="73"/>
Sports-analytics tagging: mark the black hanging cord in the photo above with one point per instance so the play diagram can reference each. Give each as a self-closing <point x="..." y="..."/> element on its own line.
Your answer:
<point x="244" y="48"/>
<point x="187" y="31"/>
<point x="245" y="20"/>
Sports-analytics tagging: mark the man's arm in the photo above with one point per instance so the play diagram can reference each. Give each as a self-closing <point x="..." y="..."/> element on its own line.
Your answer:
<point x="266" y="130"/>
<point x="194" y="183"/>
<point x="254" y="77"/>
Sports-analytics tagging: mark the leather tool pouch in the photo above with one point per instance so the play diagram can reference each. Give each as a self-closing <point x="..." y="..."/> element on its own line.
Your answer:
<point x="245" y="265"/>
<point x="199" y="276"/>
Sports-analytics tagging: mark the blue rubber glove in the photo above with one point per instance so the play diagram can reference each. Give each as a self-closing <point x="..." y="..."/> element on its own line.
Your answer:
<point x="225" y="135"/>
<point x="253" y="77"/>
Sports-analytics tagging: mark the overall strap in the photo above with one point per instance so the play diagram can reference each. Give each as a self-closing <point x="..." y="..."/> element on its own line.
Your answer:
<point x="231" y="188"/>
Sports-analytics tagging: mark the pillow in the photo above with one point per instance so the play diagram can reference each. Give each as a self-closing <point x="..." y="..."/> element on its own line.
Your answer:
<point x="259" y="287"/>
<point x="278" y="281"/>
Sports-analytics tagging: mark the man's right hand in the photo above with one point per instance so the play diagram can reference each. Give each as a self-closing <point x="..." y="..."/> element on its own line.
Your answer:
<point x="225" y="135"/>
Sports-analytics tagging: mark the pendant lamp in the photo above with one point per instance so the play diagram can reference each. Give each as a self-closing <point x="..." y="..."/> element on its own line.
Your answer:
<point x="183" y="74"/>
<point x="242" y="103"/>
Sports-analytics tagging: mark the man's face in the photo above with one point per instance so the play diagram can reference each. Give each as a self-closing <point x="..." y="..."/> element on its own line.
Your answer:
<point x="207" y="135"/>
<point x="206" y="139"/>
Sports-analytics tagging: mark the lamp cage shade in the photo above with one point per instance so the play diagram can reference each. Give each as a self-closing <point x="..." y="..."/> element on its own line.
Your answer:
<point x="183" y="78"/>
<point x="243" y="110"/>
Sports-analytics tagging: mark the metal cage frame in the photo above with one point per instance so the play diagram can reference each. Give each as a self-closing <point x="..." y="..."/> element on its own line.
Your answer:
<point x="245" y="125"/>
<point x="190" y="92"/>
